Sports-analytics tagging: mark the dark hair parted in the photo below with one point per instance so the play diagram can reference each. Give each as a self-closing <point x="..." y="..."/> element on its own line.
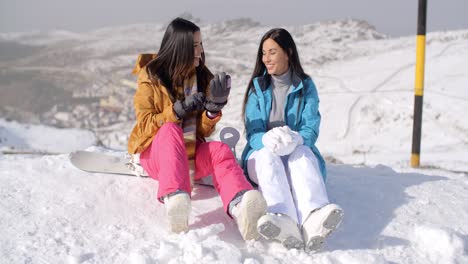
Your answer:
<point x="174" y="61"/>
<point x="285" y="41"/>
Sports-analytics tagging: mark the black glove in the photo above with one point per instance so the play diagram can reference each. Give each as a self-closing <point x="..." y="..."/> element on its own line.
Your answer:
<point x="218" y="92"/>
<point x="193" y="102"/>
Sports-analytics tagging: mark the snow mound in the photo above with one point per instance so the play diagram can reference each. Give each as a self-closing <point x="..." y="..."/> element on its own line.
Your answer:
<point x="437" y="245"/>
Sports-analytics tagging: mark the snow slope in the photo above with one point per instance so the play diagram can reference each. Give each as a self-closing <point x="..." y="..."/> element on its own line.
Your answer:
<point x="54" y="213"/>
<point x="18" y="138"/>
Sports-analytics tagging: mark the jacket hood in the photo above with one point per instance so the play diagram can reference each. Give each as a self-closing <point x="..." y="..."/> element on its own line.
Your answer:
<point x="142" y="61"/>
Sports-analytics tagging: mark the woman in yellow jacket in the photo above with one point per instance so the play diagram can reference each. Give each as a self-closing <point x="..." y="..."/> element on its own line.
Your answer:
<point x="177" y="104"/>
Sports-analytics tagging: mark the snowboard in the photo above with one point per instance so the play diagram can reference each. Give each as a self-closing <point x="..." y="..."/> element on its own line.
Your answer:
<point x="120" y="163"/>
<point x="102" y="162"/>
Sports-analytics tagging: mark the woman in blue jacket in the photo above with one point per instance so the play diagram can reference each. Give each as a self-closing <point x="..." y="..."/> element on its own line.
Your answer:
<point x="282" y="122"/>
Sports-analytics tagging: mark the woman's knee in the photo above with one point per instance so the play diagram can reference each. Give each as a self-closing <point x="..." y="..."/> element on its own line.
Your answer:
<point x="301" y="151"/>
<point x="265" y="156"/>
<point x="300" y="154"/>
<point x="267" y="167"/>
<point x="215" y="152"/>
<point x="220" y="150"/>
<point x="268" y="161"/>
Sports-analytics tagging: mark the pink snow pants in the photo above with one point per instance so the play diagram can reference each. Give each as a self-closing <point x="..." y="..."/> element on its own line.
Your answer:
<point x="166" y="161"/>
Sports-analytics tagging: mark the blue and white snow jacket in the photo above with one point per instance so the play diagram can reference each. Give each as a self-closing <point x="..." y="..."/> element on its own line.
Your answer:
<point x="301" y="115"/>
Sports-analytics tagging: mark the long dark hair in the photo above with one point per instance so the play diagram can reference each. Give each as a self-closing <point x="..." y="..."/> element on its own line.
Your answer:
<point x="174" y="61"/>
<point x="282" y="37"/>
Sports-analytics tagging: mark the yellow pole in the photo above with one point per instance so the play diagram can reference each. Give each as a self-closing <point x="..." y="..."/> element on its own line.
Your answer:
<point x="419" y="83"/>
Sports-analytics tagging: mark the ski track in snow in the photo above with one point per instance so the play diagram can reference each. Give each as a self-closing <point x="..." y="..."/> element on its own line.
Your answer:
<point x="374" y="90"/>
<point x="372" y="93"/>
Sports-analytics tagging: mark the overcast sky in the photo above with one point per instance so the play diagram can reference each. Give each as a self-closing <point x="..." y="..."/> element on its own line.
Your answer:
<point x="394" y="17"/>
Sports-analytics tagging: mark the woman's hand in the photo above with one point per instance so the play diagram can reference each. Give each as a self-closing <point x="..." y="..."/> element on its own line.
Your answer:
<point x="193" y="102"/>
<point x="218" y="93"/>
<point x="282" y="140"/>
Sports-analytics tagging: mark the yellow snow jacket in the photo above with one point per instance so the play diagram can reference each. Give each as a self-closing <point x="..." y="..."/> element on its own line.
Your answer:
<point x="153" y="108"/>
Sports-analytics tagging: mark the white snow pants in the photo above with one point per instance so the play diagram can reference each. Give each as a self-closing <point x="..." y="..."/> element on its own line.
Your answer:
<point x="292" y="185"/>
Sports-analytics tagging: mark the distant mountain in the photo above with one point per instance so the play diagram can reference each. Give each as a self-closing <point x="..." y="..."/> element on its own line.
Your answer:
<point x="83" y="80"/>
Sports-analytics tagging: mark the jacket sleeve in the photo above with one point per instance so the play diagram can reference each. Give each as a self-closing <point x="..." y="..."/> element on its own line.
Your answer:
<point x="149" y="114"/>
<point x="254" y="125"/>
<point x="206" y="126"/>
<point x="310" y="117"/>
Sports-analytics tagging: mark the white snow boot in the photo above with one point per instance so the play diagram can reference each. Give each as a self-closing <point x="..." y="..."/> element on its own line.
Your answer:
<point x="281" y="228"/>
<point x="178" y="209"/>
<point x="247" y="212"/>
<point x="319" y="224"/>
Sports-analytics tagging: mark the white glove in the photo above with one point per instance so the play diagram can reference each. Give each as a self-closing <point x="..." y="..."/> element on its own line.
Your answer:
<point x="297" y="138"/>
<point x="270" y="140"/>
<point x="282" y="140"/>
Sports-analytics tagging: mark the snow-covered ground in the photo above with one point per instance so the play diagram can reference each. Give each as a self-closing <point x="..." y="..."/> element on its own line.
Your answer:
<point x="54" y="213"/>
<point x="16" y="138"/>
